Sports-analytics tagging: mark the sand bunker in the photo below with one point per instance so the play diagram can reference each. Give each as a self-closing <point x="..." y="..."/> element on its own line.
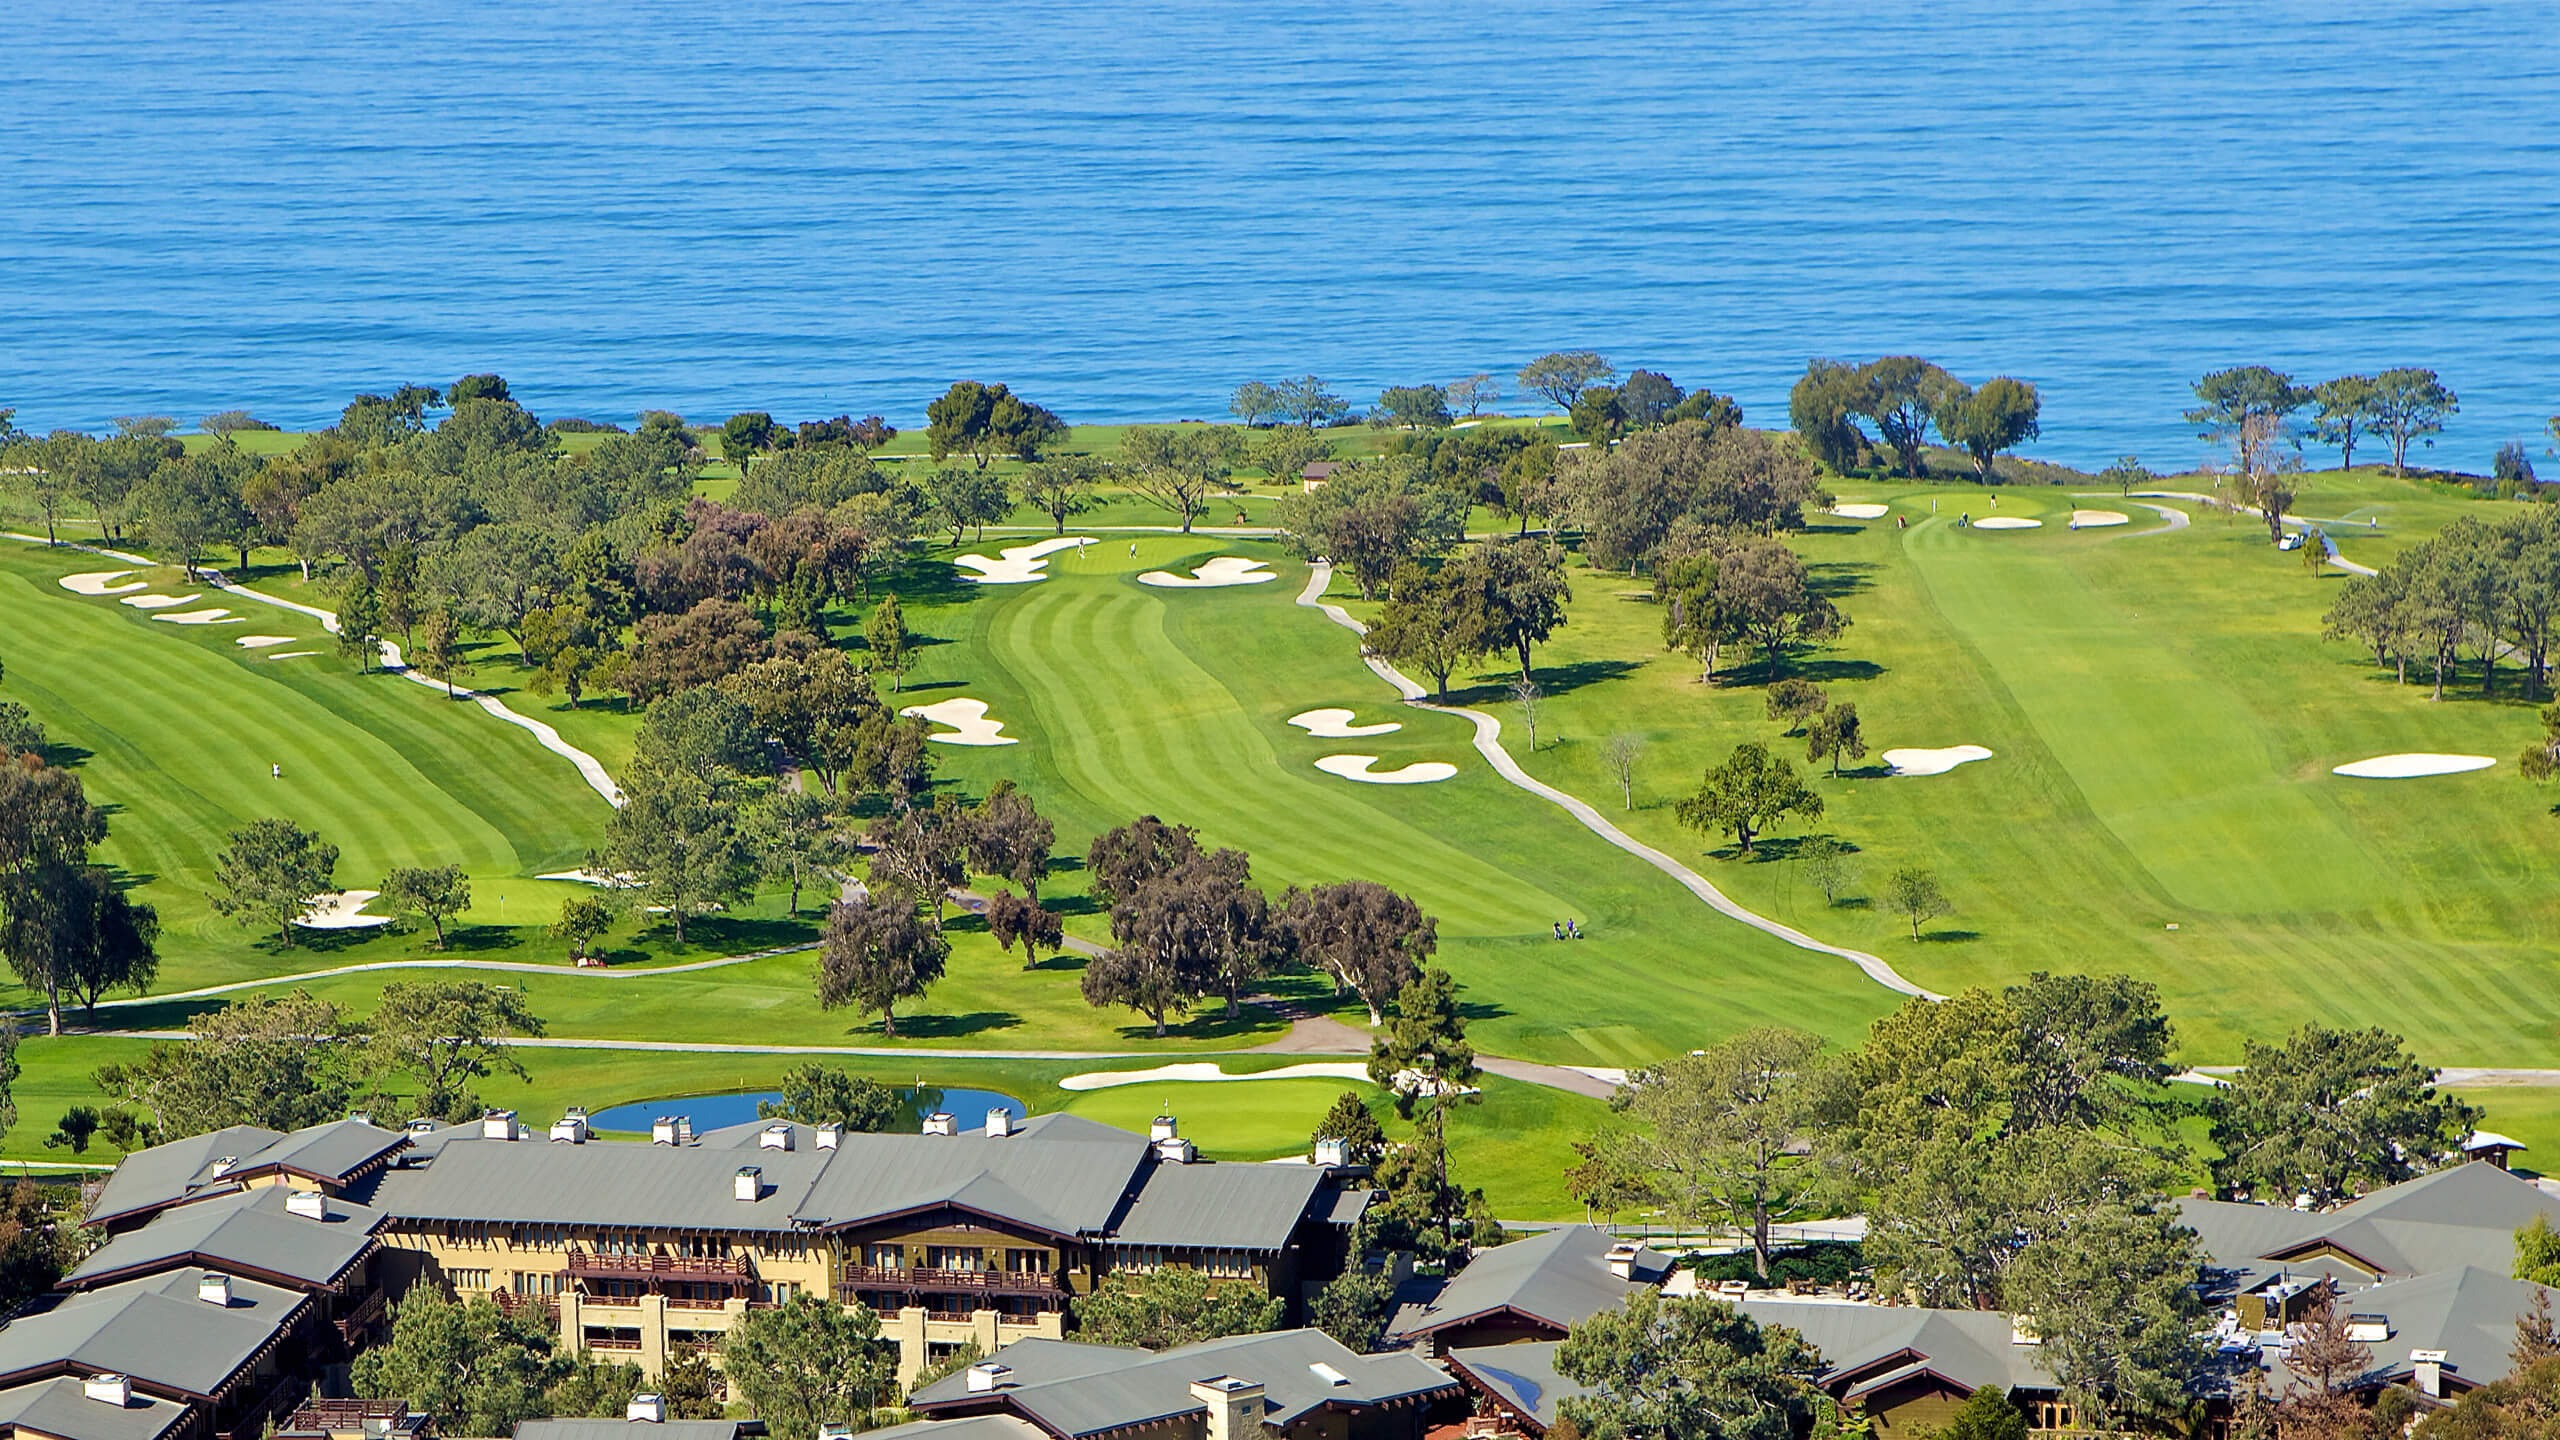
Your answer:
<point x="590" y="877"/>
<point x="2092" y="519"/>
<point x="102" y="582"/>
<point x="160" y="602"/>
<point x="261" y="642"/>
<point x="1356" y="767"/>
<point x="203" y="617"/>
<point x="2410" y="766"/>
<point x="1933" y="762"/>
<point x="968" y="721"/>
<point x="1211" y="574"/>
<point x="294" y="655"/>
<point x="1862" y="510"/>
<point x="342" y="911"/>
<point x="2008" y="522"/>
<point x="1204" y="1072"/>
<point x="1020" y="564"/>
<point x="1336" y="725"/>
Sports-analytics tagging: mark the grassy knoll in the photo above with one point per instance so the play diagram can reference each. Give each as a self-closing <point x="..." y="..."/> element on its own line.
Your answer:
<point x="2165" y="718"/>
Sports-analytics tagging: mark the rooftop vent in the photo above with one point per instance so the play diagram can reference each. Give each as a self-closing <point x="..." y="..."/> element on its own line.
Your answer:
<point x="1164" y="1128"/>
<point x="750" y="1182"/>
<point x="425" y="1125"/>
<point x="999" y="1123"/>
<point x="1333" y="1152"/>
<point x="776" y="1136"/>
<point x="1622" y="1261"/>
<point x="571" y="1127"/>
<point x="498" y="1125"/>
<point x="941" y="1123"/>
<point x="114" y="1390"/>
<point x="684" y="1129"/>
<point x="360" y="1117"/>
<point x="309" y="1204"/>
<point x="649" y="1409"/>
<point x="830" y="1135"/>
<point x="224" y="1165"/>
<point x="2426" y="1371"/>
<point x="662" y="1131"/>
<point x="987" y="1375"/>
<point x="1328" y="1374"/>
<point x="1176" y="1151"/>
<point x="2369" y="1329"/>
<point x="214" y="1289"/>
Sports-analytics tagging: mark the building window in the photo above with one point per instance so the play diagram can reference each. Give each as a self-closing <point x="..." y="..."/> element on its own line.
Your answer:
<point x="954" y="1257"/>
<point x="533" y="1283"/>
<point x="469" y="1279"/>
<point x="885" y="1257"/>
<point x="777" y="1292"/>
<point x="1027" y="1262"/>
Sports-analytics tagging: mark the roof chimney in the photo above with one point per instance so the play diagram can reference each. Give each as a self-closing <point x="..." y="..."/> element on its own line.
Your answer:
<point x="999" y="1123"/>
<point x="571" y="1127"/>
<point x="662" y="1131"/>
<point x="425" y="1125"/>
<point x="498" y="1125"/>
<point x="309" y="1204"/>
<point x="776" y="1136"/>
<point x="1163" y="1129"/>
<point x="1235" y="1407"/>
<point x="214" y="1289"/>
<point x="224" y="1165"/>
<point x="1333" y="1153"/>
<point x="830" y="1135"/>
<point x="750" y="1182"/>
<point x="1622" y="1261"/>
<point x="114" y="1390"/>
<point x="1176" y="1151"/>
<point x="649" y="1409"/>
<point x="684" y="1129"/>
<point x="987" y="1375"/>
<point x="941" y="1123"/>
<point x="2426" y="1371"/>
<point x="360" y="1117"/>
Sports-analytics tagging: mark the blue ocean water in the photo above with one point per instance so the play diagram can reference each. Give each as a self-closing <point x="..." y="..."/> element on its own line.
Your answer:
<point x="1124" y="209"/>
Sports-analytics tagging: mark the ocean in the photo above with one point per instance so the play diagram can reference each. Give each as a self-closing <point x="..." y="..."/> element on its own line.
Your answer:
<point x="1123" y="210"/>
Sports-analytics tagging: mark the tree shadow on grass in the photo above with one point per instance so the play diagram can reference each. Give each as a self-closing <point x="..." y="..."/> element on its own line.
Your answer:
<point x="1493" y="689"/>
<point x="482" y="939"/>
<point x="926" y="581"/>
<point x="1948" y="937"/>
<point x="709" y="937"/>
<point x="946" y="1027"/>
<point x="64" y="756"/>
<point x="1824" y="670"/>
<point x="1840" y="579"/>
<point x="918" y="687"/>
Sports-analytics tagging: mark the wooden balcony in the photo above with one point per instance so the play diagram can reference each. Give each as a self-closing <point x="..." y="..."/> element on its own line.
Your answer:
<point x="733" y="1271"/>
<point x="952" y="1282"/>
<point x="359" y="1321"/>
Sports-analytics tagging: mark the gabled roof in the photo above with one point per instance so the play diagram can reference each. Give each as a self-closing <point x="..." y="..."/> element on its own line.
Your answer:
<point x="2468" y="1313"/>
<point x="1867" y="1346"/>
<point x="1221" y="1207"/>
<point x="598" y="1183"/>
<point x="1071" y="1389"/>
<point x="336" y="1153"/>
<point x="154" y="1330"/>
<point x="2457" y="1216"/>
<point x="1560" y="1277"/>
<point x="246" y="1232"/>
<point x="1056" y="1173"/>
<point x="61" y="1407"/>
<point x="964" y="1427"/>
<point x="607" y="1429"/>
<point x="1523" y="1377"/>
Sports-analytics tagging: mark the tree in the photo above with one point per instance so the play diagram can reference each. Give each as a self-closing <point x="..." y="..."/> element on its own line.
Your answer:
<point x="1121" y="860"/>
<point x="187" y="505"/>
<point x="1198" y="929"/>
<point x="677" y="835"/>
<point x="1426" y="624"/>
<point x="1062" y="487"/>
<point x="2112" y="1298"/>
<point x="1009" y="837"/>
<point x="1369" y="940"/>
<point x="360" y="621"/>
<point x="472" y="1367"/>
<point x="815" y="1094"/>
<point x="796" y="836"/>
<point x="1473" y="393"/>
<point x="1526" y="694"/>
<point x="446" y="1034"/>
<point x="1285" y="453"/>
<point x="1375" y="516"/>
<point x="1794" y="702"/>
<point x="1353" y="1307"/>
<point x="1719" y="1133"/>
<point x="1596" y="416"/>
<point x="583" y="920"/>
<point x="813" y="705"/>
<point x="1415" y="407"/>
<point x="47" y="826"/>
<point x="2341" y="409"/>
<point x="1766" y="596"/>
<point x="2245" y="407"/>
<point x="73" y="1131"/>
<point x="1563" y="375"/>
<point x="1694" y="619"/>
<point x="1827" y="864"/>
<point x="962" y="499"/>
<point x="1177" y="466"/>
<point x="1424" y="1060"/>
<point x="274" y="872"/>
<point x="1987" y="1414"/>
<point x="1511" y="595"/>
<point x="434" y="895"/>
<point x="1012" y="918"/>
<point x="2127" y="475"/>
<point x="1912" y="893"/>
<point x="1620" y="754"/>
<point x="1310" y="404"/>
<point x="283" y="1062"/>
<point x="877" y="950"/>
<point x="1834" y="733"/>
<point x="2328" y="1113"/>
<point x="1823" y="407"/>
<point x="809" y="1362"/>
<point x="1350" y="1122"/>
<point x="1175" y="1305"/>
<point x="1254" y="401"/>
<point x="1751" y="791"/>
<point x="984" y="421"/>
<point x="924" y="848"/>
<point x="1648" y="399"/>
<point x="1985" y="422"/>
<point x="1658" y="1368"/>
<point x="2408" y="403"/>
<point x="2537" y="1252"/>
<point x="745" y="436"/>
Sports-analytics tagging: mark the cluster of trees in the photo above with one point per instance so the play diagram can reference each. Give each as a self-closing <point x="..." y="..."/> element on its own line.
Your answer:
<point x="68" y="926"/>
<point x="1907" y="398"/>
<point x="2010" y="1149"/>
<point x="2253" y="409"/>
<point x="1581" y="383"/>
<point x="1497" y="598"/>
<point x="2488" y="589"/>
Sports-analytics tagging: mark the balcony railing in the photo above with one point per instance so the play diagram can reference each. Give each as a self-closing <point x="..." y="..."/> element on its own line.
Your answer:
<point x="646" y="1267"/>
<point x="996" y="1282"/>
<point x="547" y="1306"/>
<point x="358" y="1321"/>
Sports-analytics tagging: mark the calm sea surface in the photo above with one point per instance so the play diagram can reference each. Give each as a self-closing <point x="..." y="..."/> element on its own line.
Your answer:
<point x="1125" y="208"/>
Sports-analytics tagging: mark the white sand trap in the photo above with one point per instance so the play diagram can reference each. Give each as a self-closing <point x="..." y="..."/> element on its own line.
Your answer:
<point x="2008" y="522"/>
<point x="1933" y="762"/>
<point x="590" y="877"/>
<point x="1862" y="510"/>
<point x="1336" y="725"/>
<point x="342" y="911"/>
<point x="2411" y="766"/>
<point x="2093" y="519"/>
<point x="968" y="721"/>
<point x="294" y="655"/>
<point x="102" y="582"/>
<point x="1020" y="564"/>
<point x="261" y="642"/>
<point x="1356" y="767"/>
<point x="203" y="617"/>
<point x="1211" y="574"/>
<point x="1204" y="1072"/>
<point x="160" y="602"/>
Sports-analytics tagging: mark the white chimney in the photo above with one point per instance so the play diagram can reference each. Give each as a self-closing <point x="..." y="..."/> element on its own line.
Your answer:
<point x="425" y="1125"/>
<point x="1235" y="1407"/>
<point x="649" y="1409"/>
<point x="2426" y="1371"/>
<point x="498" y="1125"/>
<point x="214" y="1289"/>
<point x="1176" y="1151"/>
<point x="941" y="1123"/>
<point x="1622" y="1261"/>
<point x="987" y="1375"/>
<point x="360" y="1117"/>
<point x="776" y="1136"/>
<point x="684" y="1129"/>
<point x="750" y="1182"/>
<point x="830" y="1135"/>
<point x="309" y="1204"/>
<point x="1333" y="1153"/>
<point x="999" y="1123"/>
<point x="224" y="1165"/>
<point x="116" y="1390"/>
<point x="662" y="1131"/>
<point x="1163" y="1129"/>
<point x="571" y="1127"/>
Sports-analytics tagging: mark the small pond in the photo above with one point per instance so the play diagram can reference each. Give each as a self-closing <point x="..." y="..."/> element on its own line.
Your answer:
<point x="718" y="1112"/>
